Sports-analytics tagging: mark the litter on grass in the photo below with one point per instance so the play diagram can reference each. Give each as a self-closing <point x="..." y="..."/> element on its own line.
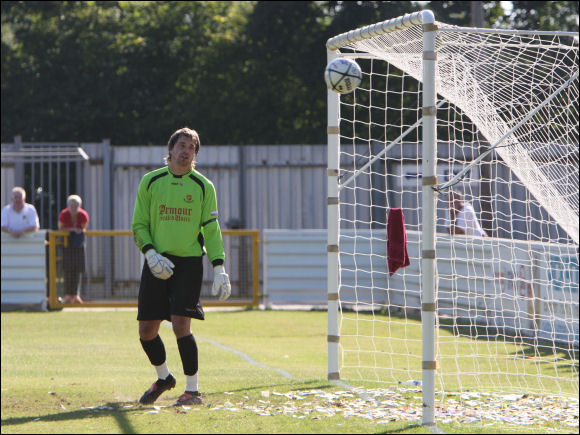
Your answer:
<point x="404" y="404"/>
<point x="385" y="405"/>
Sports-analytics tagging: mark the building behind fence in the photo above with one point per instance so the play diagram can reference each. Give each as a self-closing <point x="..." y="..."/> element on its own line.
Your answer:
<point x="258" y="187"/>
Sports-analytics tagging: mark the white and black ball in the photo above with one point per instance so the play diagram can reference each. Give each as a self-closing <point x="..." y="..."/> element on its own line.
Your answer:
<point x="342" y="75"/>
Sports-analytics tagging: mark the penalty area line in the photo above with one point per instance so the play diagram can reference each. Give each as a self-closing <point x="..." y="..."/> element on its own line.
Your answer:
<point x="241" y="355"/>
<point x="247" y="358"/>
<point x="339" y="383"/>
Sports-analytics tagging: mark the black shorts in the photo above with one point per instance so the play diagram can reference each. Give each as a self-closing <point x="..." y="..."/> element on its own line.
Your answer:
<point x="179" y="295"/>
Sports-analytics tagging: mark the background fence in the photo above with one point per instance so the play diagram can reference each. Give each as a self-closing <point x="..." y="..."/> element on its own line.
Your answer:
<point x="258" y="187"/>
<point x="113" y="268"/>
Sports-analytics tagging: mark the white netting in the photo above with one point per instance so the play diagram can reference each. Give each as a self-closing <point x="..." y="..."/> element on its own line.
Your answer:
<point x="497" y="80"/>
<point x="508" y="303"/>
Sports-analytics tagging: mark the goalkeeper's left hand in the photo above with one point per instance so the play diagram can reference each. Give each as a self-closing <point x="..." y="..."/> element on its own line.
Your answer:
<point x="221" y="283"/>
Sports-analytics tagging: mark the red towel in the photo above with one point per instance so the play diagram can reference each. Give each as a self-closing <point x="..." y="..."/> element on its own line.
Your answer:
<point x="397" y="241"/>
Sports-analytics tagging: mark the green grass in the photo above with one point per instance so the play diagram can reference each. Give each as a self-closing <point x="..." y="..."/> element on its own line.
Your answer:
<point x="82" y="372"/>
<point x="492" y="360"/>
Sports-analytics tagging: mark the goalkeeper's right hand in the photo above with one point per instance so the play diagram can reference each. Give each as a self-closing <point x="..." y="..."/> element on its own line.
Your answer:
<point x="221" y="283"/>
<point x="160" y="266"/>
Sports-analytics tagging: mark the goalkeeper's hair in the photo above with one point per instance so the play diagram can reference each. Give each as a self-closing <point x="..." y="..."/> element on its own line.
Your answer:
<point x="187" y="132"/>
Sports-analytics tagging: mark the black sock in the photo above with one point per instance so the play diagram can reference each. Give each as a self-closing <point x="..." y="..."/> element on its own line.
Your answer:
<point x="188" y="351"/>
<point x="155" y="350"/>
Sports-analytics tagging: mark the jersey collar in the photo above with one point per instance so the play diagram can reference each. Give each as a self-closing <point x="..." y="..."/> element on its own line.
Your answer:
<point x="179" y="176"/>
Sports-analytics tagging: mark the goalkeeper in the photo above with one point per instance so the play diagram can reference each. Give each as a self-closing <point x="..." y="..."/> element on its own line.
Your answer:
<point x="175" y="216"/>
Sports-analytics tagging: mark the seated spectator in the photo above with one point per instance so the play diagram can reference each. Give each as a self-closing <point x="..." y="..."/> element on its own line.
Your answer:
<point x="19" y="218"/>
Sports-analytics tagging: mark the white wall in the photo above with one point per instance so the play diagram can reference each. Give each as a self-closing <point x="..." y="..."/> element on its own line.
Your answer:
<point x="294" y="267"/>
<point x="7" y="181"/>
<point x="24" y="271"/>
<point x="527" y="286"/>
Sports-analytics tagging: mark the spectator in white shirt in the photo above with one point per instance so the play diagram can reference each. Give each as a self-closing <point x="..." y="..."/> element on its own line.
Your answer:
<point x="461" y="217"/>
<point x="18" y="217"/>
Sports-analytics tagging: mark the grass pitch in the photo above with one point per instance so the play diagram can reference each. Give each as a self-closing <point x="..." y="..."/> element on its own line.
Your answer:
<point x="260" y="372"/>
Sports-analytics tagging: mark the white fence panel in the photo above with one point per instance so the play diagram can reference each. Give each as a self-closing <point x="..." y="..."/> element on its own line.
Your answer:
<point x="285" y="186"/>
<point x="24" y="271"/>
<point x="8" y="181"/>
<point x="294" y="267"/>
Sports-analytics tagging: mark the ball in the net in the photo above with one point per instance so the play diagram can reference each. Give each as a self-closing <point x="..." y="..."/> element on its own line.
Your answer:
<point x="342" y="75"/>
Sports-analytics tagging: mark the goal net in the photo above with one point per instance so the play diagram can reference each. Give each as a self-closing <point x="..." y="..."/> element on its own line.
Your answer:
<point x="505" y="150"/>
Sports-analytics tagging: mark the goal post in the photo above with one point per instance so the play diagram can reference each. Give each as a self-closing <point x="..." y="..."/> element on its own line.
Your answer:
<point x="485" y="122"/>
<point x="429" y="179"/>
<point x="333" y="131"/>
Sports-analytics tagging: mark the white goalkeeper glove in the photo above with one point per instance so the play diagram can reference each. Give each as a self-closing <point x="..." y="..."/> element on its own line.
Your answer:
<point x="160" y="266"/>
<point x="221" y="283"/>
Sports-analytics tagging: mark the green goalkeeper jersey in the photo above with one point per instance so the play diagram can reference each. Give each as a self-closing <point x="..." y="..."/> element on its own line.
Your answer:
<point x="177" y="215"/>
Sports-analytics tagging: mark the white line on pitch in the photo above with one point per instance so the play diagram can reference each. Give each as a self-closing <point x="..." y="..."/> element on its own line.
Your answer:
<point x="339" y="383"/>
<point x="346" y="386"/>
<point x="240" y="354"/>
<point x="247" y="358"/>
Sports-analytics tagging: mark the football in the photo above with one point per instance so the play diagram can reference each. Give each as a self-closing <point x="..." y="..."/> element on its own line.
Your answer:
<point x="342" y="75"/>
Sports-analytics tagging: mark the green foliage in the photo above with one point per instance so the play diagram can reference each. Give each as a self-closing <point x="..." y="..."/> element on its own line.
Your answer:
<point x="239" y="72"/>
<point x="459" y="12"/>
<point x="544" y="15"/>
<point x="131" y="71"/>
<point x="270" y="90"/>
<point x="347" y="15"/>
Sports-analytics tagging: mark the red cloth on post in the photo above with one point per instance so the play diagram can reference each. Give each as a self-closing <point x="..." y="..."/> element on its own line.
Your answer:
<point x="397" y="241"/>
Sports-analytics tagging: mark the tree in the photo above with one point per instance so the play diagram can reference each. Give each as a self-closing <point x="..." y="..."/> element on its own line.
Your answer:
<point x="281" y="95"/>
<point x="459" y="12"/>
<point x="87" y="70"/>
<point x="543" y="15"/>
<point x="347" y="15"/>
<point x="238" y="72"/>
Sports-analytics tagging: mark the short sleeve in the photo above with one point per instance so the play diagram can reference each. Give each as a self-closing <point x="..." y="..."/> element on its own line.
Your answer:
<point x="83" y="217"/>
<point x="62" y="217"/>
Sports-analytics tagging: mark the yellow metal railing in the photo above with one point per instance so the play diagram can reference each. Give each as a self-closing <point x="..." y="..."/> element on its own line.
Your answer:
<point x="53" y="242"/>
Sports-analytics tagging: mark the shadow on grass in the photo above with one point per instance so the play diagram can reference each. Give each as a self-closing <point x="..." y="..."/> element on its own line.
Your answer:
<point x="531" y="347"/>
<point x="404" y="428"/>
<point x="317" y="383"/>
<point x="543" y="351"/>
<point x="111" y="409"/>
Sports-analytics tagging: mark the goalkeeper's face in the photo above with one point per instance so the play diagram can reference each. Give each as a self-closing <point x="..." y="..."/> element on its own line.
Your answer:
<point x="183" y="153"/>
